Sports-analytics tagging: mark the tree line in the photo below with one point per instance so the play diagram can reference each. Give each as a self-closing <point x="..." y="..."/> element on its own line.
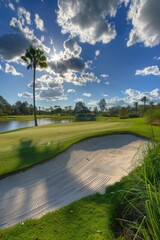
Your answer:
<point x="24" y="108"/>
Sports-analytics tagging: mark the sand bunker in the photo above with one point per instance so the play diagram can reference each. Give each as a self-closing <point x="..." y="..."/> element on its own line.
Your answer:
<point x="85" y="168"/>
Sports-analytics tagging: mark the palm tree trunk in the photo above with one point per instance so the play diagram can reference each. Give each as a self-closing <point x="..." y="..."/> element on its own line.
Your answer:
<point x="34" y="100"/>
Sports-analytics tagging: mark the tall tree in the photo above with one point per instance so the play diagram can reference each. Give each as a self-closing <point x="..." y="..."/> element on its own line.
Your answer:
<point x="34" y="57"/>
<point x="102" y="104"/>
<point x="144" y="99"/>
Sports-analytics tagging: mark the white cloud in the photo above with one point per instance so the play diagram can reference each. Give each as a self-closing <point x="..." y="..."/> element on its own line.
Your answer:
<point x="78" y="100"/>
<point x="24" y="15"/>
<point x="71" y="90"/>
<point x="156" y="58"/>
<point x="62" y="66"/>
<point x="107" y="83"/>
<point x="49" y="89"/>
<point x="86" y="19"/>
<point x="39" y="22"/>
<point x="93" y="102"/>
<point x="11" y="6"/>
<point x="12" y="70"/>
<point x="71" y="48"/>
<point x="13" y="45"/>
<point x="97" y="53"/>
<point x="89" y="77"/>
<point x="46" y="82"/>
<point x="1" y="69"/>
<point x="154" y="70"/>
<point x="25" y="94"/>
<point x="52" y="94"/>
<point x="135" y="95"/>
<point x="104" y="75"/>
<point x="87" y="94"/>
<point x="145" y="18"/>
<point x="105" y="95"/>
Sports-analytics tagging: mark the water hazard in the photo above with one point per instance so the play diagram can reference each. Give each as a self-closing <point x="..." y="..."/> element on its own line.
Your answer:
<point x="12" y="125"/>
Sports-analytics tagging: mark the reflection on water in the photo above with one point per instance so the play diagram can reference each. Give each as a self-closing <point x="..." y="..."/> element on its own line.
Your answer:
<point x="12" y="125"/>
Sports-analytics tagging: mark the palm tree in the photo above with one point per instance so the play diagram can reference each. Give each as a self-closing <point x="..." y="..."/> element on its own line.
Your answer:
<point x="34" y="57"/>
<point x="144" y="99"/>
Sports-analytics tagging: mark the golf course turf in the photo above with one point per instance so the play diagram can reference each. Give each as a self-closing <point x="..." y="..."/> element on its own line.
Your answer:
<point x="27" y="147"/>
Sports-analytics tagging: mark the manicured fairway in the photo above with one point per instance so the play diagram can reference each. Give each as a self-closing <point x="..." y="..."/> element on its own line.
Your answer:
<point x="23" y="148"/>
<point x="26" y="147"/>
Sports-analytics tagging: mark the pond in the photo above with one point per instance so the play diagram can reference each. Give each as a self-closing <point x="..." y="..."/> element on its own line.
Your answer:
<point x="12" y="125"/>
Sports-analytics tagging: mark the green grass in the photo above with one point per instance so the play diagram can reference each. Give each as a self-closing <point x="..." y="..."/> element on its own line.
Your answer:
<point x="140" y="208"/>
<point x="26" y="147"/>
<point x="91" y="218"/>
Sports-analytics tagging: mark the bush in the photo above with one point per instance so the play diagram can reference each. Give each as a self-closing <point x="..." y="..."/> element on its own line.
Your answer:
<point x="133" y="115"/>
<point x="153" y="116"/>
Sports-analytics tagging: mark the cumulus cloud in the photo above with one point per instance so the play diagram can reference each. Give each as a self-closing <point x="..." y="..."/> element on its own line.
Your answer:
<point x="72" y="48"/>
<point x="105" y="95"/>
<point x="156" y="58"/>
<point x="89" y="77"/>
<point x="11" y="6"/>
<point x="144" y="16"/>
<point x="71" y="90"/>
<point x="39" y="22"/>
<point x="10" y="69"/>
<point x="24" y="15"/>
<point x="78" y="100"/>
<point x="88" y="19"/>
<point x="63" y="65"/>
<point x="87" y="94"/>
<point x="52" y="94"/>
<point x="1" y="69"/>
<point x="107" y="83"/>
<point x="93" y="102"/>
<point x="115" y="101"/>
<point x="13" y="45"/>
<point x="47" y="88"/>
<point x="80" y="79"/>
<point x="25" y="94"/>
<point x="46" y="82"/>
<point x="154" y="70"/>
<point x="97" y="53"/>
<point x="135" y="95"/>
<point x="104" y="75"/>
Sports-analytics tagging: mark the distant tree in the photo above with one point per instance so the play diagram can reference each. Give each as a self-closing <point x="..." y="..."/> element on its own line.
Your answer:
<point x="80" y="108"/>
<point x="136" y="106"/>
<point x="123" y="112"/>
<point x="5" y="107"/>
<point x="102" y="105"/>
<point x="151" y="104"/>
<point x="95" y="110"/>
<point x="113" y="111"/>
<point x="34" y="58"/>
<point x="144" y="99"/>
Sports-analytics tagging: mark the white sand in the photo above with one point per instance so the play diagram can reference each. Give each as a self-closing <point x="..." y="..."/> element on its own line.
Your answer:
<point x="85" y="168"/>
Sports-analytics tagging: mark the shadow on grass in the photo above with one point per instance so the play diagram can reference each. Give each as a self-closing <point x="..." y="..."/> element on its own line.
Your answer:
<point x="31" y="154"/>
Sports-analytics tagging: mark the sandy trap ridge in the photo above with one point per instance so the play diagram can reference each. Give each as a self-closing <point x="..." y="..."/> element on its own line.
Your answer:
<point x="85" y="168"/>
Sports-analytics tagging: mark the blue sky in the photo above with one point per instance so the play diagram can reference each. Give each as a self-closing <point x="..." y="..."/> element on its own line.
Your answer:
<point x="95" y="49"/>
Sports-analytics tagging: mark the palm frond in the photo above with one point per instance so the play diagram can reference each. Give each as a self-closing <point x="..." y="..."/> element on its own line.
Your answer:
<point x="29" y="66"/>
